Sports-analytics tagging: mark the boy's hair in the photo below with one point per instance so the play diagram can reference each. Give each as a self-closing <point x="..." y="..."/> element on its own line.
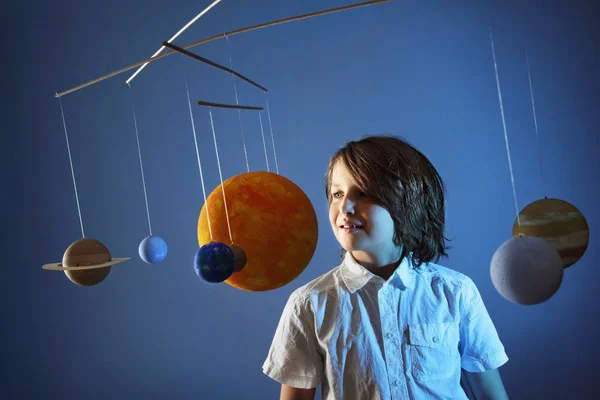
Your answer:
<point x="401" y="179"/>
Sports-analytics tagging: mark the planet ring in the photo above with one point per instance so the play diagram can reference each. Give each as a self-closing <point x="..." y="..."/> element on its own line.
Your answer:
<point x="59" y="267"/>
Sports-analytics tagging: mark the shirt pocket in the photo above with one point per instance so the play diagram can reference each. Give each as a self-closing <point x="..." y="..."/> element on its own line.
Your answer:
<point x="433" y="350"/>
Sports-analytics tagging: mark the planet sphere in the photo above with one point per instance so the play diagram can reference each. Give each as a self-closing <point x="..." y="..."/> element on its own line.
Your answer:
<point x="558" y="222"/>
<point x="214" y="262"/>
<point x="86" y="252"/>
<point x="526" y="270"/>
<point x="153" y="250"/>
<point x="271" y="219"/>
<point x="240" y="258"/>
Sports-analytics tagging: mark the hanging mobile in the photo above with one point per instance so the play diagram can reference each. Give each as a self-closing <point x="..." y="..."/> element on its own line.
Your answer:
<point x="295" y="227"/>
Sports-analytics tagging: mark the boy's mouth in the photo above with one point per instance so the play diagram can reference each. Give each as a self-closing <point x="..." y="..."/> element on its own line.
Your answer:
<point x="351" y="228"/>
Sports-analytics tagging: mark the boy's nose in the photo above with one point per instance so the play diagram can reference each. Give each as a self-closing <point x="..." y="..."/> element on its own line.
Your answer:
<point x="348" y="208"/>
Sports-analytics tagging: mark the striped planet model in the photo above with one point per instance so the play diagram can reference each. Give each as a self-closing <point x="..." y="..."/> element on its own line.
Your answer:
<point x="560" y="223"/>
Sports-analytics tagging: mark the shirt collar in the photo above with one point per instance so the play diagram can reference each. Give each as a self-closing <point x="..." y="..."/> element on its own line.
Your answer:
<point x="355" y="276"/>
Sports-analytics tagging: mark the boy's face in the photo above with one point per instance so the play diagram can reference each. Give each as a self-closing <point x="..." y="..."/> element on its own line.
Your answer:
<point x="361" y="226"/>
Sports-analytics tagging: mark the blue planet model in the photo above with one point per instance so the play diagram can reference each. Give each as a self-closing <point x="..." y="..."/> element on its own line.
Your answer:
<point x="153" y="249"/>
<point x="214" y="262"/>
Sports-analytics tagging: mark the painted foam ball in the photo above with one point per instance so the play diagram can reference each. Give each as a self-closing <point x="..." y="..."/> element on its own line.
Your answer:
<point x="214" y="262"/>
<point x="87" y="252"/>
<point x="240" y="257"/>
<point x="271" y="219"/>
<point x="153" y="250"/>
<point x="558" y="222"/>
<point x="86" y="262"/>
<point x="526" y="270"/>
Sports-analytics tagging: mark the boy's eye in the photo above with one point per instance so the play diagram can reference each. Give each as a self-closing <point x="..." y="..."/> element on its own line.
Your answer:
<point x="339" y="195"/>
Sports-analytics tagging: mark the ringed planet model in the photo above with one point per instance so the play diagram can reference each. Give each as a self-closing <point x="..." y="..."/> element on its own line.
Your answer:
<point x="86" y="262"/>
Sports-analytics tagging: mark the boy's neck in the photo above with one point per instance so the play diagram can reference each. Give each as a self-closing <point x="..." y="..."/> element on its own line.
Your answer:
<point x="385" y="272"/>
<point x="382" y="269"/>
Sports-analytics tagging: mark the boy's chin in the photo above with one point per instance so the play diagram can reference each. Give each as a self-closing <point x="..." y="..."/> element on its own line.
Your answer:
<point x="355" y="243"/>
<point x="355" y="250"/>
<point x="352" y="245"/>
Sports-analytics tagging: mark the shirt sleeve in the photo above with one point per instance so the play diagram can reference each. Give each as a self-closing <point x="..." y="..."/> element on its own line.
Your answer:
<point x="480" y="347"/>
<point x="294" y="359"/>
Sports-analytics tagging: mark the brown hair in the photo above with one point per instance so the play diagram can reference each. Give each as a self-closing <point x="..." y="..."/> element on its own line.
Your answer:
<point x="402" y="180"/>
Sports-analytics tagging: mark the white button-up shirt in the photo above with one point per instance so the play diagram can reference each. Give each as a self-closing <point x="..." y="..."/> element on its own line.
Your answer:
<point x="361" y="337"/>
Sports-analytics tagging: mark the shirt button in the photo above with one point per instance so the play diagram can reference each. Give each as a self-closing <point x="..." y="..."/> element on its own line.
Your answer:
<point x="390" y="335"/>
<point x="435" y="339"/>
<point x="395" y="383"/>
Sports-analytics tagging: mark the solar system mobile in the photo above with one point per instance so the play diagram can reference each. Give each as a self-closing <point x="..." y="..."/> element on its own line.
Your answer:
<point x="257" y="231"/>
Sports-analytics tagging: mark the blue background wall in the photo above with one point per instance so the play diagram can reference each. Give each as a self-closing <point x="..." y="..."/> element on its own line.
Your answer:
<point x="422" y="70"/>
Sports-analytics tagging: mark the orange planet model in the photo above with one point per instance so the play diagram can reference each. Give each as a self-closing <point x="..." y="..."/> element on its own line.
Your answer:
<point x="558" y="222"/>
<point x="271" y="219"/>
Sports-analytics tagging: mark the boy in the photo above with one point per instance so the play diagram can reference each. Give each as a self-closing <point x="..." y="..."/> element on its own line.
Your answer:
<point x="387" y="323"/>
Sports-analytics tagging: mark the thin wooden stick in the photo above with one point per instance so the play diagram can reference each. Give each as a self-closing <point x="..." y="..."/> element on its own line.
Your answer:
<point x="207" y="9"/>
<point x="221" y="105"/>
<point x="213" y="64"/>
<point x="221" y="36"/>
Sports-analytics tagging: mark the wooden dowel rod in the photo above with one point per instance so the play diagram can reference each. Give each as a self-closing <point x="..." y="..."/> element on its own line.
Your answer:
<point x="213" y="64"/>
<point x="221" y="105"/>
<point x="221" y="36"/>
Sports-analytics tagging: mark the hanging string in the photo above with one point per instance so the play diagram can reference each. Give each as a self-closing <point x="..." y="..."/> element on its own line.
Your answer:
<point x="536" y="125"/>
<point x="72" y="171"/>
<point x="272" y="139"/>
<point x="237" y="102"/>
<point x="512" y="178"/>
<point x="198" y="157"/>
<point x="262" y="132"/>
<point x="137" y="138"/>
<point x="220" y="174"/>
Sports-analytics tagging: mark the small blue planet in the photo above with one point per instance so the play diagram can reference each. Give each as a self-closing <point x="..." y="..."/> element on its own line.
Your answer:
<point x="153" y="249"/>
<point x="214" y="262"/>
